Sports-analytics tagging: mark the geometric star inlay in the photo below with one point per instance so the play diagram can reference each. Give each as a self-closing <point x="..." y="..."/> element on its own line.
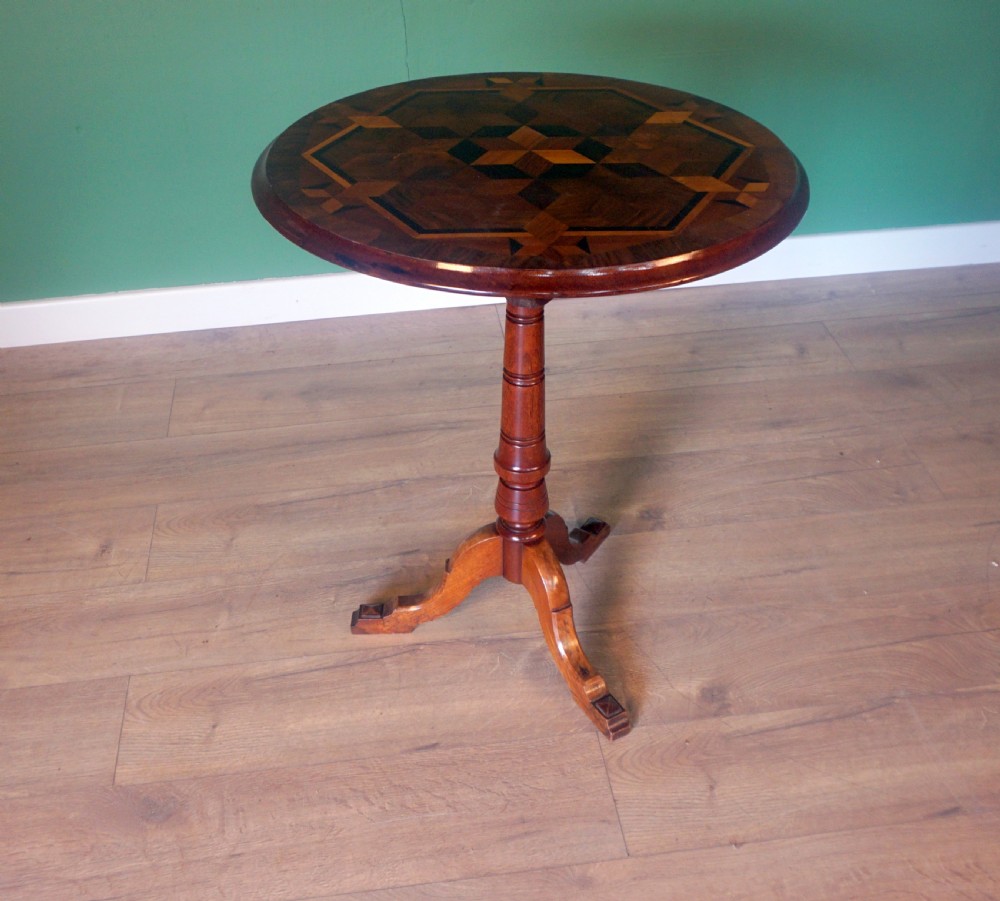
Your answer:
<point x="487" y="182"/>
<point x="520" y="157"/>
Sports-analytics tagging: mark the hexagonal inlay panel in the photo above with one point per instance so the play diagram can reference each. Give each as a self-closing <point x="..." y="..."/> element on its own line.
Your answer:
<point x="516" y="151"/>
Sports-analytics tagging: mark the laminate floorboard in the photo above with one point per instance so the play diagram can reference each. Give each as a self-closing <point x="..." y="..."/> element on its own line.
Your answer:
<point x="945" y="857"/>
<point x="103" y="414"/>
<point x="222" y="352"/>
<point x="807" y="771"/>
<point x="57" y="738"/>
<point x="376" y="389"/>
<point x="334" y="456"/>
<point x="799" y="603"/>
<point x="87" y="549"/>
<point x="400" y="818"/>
<point x="887" y="342"/>
<point x="701" y="308"/>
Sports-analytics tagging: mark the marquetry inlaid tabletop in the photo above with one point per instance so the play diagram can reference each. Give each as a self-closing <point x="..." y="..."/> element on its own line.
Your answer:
<point x="531" y="185"/>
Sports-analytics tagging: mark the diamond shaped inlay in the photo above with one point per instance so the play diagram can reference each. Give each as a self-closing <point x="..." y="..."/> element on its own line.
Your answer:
<point x="608" y="706"/>
<point x="539" y="194"/>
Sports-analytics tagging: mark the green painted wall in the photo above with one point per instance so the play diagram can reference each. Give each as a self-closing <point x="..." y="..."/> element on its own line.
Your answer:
<point x="130" y="126"/>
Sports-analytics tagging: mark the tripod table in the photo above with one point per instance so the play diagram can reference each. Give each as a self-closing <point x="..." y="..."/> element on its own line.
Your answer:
<point x="530" y="187"/>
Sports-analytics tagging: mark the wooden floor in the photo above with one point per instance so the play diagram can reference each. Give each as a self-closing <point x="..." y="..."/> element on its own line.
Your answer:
<point x="799" y="603"/>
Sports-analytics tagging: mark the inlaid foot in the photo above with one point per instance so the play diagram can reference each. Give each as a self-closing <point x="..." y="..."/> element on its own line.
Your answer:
<point x="578" y="545"/>
<point x="478" y="557"/>
<point x="543" y="577"/>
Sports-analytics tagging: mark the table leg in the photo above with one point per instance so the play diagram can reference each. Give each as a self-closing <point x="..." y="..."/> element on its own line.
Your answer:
<point x="578" y="545"/>
<point x="479" y="557"/>
<point x="543" y="577"/>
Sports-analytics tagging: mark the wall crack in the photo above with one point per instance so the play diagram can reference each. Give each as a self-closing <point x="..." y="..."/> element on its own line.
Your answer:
<point x="406" y="39"/>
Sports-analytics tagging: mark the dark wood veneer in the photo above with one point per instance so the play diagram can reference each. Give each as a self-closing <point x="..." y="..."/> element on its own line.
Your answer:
<point x="531" y="185"/>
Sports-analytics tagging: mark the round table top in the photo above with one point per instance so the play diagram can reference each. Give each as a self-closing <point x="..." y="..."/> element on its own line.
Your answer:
<point x="528" y="185"/>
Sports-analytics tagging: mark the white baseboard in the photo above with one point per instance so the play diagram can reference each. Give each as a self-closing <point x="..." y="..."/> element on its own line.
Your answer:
<point x="269" y="301"/>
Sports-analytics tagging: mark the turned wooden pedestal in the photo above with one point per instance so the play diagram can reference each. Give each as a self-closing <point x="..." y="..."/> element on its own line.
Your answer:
<point x="530" y="187"/>
<point x="528" y="543"/>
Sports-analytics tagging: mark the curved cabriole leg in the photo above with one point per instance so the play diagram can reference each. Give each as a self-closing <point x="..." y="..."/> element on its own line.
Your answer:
<point x="576" y="546"/>
<point x="543" y="577"/>
<point x="479" y="557"/>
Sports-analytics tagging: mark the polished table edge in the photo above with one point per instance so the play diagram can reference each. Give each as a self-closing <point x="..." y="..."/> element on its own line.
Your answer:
<point x="529" y="283"/>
